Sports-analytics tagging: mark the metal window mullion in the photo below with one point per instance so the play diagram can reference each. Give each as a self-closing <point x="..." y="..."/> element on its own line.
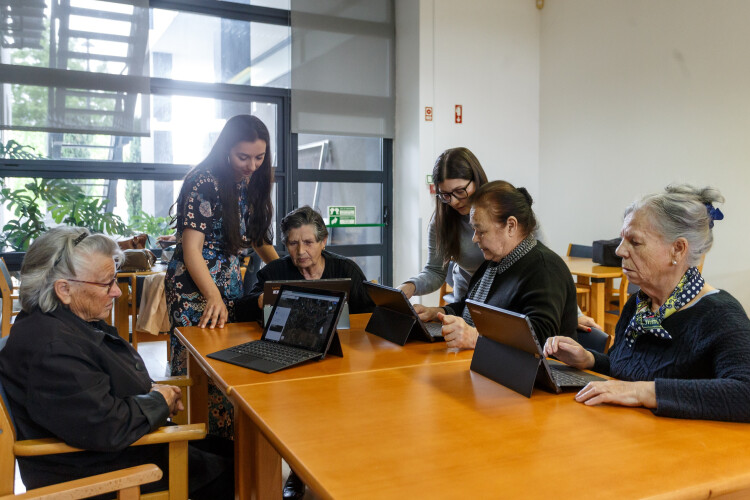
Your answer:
<point x="227" y="10"/>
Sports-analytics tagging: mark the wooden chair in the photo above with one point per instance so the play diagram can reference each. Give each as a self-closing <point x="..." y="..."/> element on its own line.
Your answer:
<point x="6" y="290"/>
<point x="176" y="436"/>
<point x="445" y="289"/>
<point x="583" y="288"/>
<point x="126" y="482"/>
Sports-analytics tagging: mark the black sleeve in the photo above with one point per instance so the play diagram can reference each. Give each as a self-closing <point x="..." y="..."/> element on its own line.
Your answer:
<point x="726" y="396"/>
<point x="543" y="297"/>
<point x="86" y="414"/>
<point x="246" y="307"/>
<point x="359" y="299"/>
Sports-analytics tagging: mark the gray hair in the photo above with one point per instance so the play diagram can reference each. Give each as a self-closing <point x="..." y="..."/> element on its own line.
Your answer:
<point x="57" y="254"/>
<point x="303" y="216"/>
<point x="681" y="211"/>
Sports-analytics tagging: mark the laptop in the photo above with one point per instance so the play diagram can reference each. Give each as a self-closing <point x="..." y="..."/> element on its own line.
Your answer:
<point x="271" y="291"/>
<point x="510" y="353"/>
<point x="395" y="319"/>
<point x="302" y="327"/>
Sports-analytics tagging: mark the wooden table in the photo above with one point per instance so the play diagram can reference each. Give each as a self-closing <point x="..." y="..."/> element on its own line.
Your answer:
<point x="442" y="431"/>
<point x="363" y="352"/>
<point x="125" y="308"/>
<point x="596" y="276"/>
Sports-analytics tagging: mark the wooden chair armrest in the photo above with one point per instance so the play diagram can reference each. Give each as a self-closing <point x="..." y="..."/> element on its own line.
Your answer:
<point x="173" y="433"/>
<point x="132" y="477"/>
<point x="179" y="381"/>
<point x="51" y="446"/>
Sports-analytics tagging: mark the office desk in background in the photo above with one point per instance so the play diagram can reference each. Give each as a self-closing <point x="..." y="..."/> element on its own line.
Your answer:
<point x="596" y="276"/>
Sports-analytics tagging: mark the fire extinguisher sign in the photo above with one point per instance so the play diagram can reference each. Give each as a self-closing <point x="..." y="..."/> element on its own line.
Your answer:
<point x="459" y="113"/>
<point x="428" y="113"/>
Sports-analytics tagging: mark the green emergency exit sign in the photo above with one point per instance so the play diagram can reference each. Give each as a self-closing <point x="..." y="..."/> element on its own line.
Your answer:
<point x="342" y="215"/>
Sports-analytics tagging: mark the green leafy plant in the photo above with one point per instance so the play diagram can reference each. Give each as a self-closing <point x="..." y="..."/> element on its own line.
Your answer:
<point x="66" y="202"/>
<point x="152" y="226"/>
<point x="16" y="151"/>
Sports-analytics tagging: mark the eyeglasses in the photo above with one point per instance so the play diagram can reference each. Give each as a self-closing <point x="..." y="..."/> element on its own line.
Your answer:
<point x="458" y="194"/>
<point x="108" y="285"/>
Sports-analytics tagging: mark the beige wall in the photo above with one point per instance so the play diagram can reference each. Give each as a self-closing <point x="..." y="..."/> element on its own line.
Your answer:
<point x="482" y="54"/>
<point x="588" y="103"/>
<point x="639" y="94"/>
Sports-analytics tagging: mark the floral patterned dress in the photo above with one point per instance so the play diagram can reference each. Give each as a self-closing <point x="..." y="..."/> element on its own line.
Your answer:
<point x="200" y="209"/>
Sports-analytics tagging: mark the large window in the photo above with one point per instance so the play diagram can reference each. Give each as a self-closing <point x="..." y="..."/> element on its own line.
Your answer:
<point x="129" y="97"/>
<point x="124" y="96"/>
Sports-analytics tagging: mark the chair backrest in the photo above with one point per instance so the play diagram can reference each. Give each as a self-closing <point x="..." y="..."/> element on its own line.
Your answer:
<point x="7" y="439"/>
<point x="6" y="293"/>
<point x="575" y="250"/>
<point x="6" y="283"/>
<point x="596" y="340"/>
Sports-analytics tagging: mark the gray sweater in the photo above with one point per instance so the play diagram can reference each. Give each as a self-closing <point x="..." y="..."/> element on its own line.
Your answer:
<point x="434" y="272"/>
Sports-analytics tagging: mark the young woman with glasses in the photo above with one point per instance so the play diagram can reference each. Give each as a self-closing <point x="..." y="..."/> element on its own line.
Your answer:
<point x="457" y="175"/>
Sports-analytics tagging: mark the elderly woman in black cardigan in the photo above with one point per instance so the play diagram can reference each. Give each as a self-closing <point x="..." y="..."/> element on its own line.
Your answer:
<point x="682" y="347"/>
<point x="519" y="274"/>
<point x="69" y="375"/>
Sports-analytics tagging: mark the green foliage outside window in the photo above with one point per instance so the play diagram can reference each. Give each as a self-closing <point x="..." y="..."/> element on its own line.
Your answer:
<point x="66" y="202"/>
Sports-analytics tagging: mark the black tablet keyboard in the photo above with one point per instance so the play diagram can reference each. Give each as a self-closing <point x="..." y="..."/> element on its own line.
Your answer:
<point x="272" y="351"/>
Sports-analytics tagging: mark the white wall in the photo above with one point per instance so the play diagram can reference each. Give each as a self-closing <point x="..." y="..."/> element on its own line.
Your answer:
<point x="589" y="104"/>
<point x="484" y="55"/>
<point x="639" y="94"/>
<point x="406" y="172"/>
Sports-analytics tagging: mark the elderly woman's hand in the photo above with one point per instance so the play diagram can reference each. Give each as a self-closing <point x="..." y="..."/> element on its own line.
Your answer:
<point x="215" y="314"/>
<point x="457" y="333"/>
<point x="569" y="352"/>
<point x="172" y="395"/>
<point x="427" y="313"/>
<point x="619" y="393"/>
<point x="586" y="323"/>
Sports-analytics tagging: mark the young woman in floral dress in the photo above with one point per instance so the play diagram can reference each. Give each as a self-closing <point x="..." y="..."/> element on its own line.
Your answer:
<point x="224" y="207"/>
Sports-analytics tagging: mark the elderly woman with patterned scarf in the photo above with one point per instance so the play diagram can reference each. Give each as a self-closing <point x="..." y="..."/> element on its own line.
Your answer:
<point x="682" y="347"/>
<point x="519" y="273"/>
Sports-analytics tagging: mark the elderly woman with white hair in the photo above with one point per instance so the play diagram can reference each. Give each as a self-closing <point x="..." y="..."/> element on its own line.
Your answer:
<point x="682" y="347"/>
<point x="69" y="375"/>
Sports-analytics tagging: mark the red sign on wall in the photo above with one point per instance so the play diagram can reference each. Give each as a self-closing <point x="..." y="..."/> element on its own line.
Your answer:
<point x="428" y="113"/>
<point x="459" y="113"/>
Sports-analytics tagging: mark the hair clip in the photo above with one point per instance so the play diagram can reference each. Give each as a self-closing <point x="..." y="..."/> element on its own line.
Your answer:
<point x="79" y="239"/>
<point x="713" y="214"/>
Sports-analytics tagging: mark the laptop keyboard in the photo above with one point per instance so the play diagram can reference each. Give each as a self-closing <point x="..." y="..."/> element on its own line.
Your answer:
<point x="567" y="379"/>
<point x="278" y="353"/>
<point x="434" y="329"/>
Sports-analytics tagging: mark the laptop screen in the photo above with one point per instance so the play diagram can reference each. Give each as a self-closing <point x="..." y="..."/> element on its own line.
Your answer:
<point x="303" y="318"/>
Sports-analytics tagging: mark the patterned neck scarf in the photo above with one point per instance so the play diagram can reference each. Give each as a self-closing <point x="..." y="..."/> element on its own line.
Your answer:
<point x="482" y="288"/>
<point x="644" y="321"/>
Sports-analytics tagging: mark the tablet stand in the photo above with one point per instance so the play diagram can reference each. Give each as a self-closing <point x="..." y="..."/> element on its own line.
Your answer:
<point x="391" y="325"/>
<point x="508" y="366"/>
<point x="334" y="348"/>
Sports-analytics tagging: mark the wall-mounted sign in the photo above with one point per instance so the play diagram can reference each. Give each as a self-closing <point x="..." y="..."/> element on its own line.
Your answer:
<point x="459" y="113"/>
<point x="428" y="113"/>
<point x="342" y="215"/>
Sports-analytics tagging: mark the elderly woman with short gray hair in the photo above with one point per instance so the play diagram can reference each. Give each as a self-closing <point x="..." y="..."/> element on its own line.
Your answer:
<point x="305" y="235"/>
<point x="69" y="375"/>
<point x="682" y="347"/>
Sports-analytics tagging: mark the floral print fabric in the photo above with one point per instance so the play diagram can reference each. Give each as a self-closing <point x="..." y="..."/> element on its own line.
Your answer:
<point x="200" y="209"/>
